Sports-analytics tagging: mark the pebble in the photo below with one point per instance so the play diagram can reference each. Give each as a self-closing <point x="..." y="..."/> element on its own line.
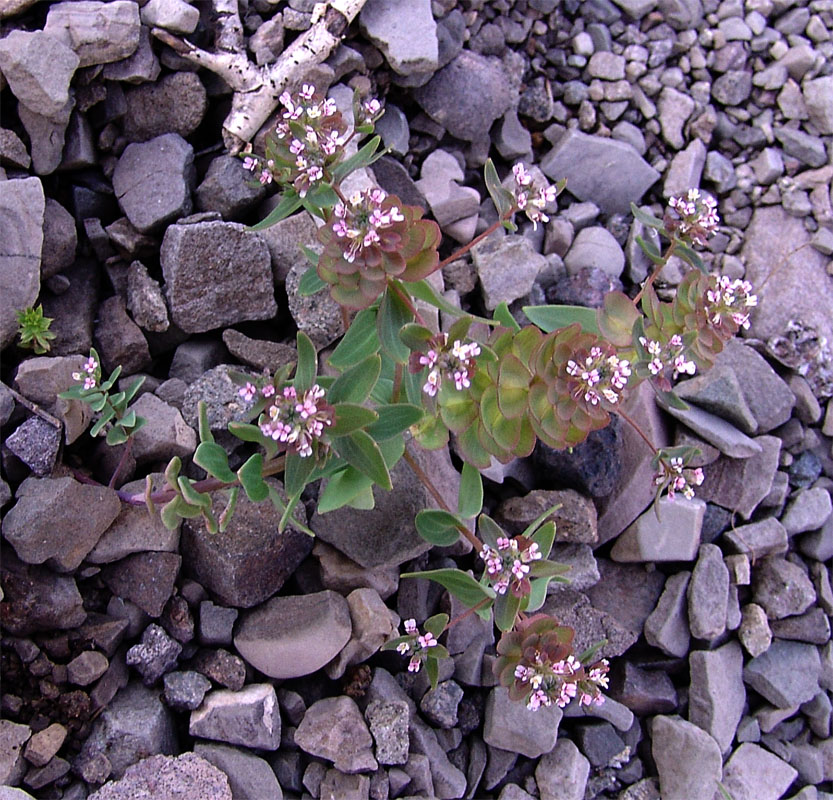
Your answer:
<point x="808" y="510"/>
<point x="334" y="729"/>
<point x="688" y="759"/>
<point x="787" y="674"/>
<point x="249" y="776"/>
<point x="98" y="32"/>
<point x="717" y="694"/>
<point x="754" y="772"/>
<point x="509" y="726"/>
<point x="667" y="626"/>
<point x="708" y="594"/>
<point x="249" y="717"/>
<point x="671" y="532"/>
<point x="781" y="588"/>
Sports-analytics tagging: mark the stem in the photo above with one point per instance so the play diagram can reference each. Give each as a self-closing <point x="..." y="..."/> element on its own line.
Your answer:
<point x="652" y="277"/>
<point x="637" y="429"/>
<point x="397" y="382"/>
<point x="467" y="613"/>
<point x="405" y="298"/>
<point x="463" y="250"/>
<point x="426" y="482"/>
<point x="122" y="461"/>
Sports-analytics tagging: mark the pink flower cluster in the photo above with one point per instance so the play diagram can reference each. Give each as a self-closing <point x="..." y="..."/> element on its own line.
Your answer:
<point x="295" y="421"/>
<point x="670" y="355"/>
<point x="509" y="564"/>
<point x="89" y="374"/>
<point x="598" y="374"/>
<point x="673" y="473"/>
<point x="697" y="216"/>
<point x="362" y="222"/>
<point x="418" y="646"/>
<point x="455" y="364"/>
<point x="560" y="682"/>
<point x="530" y="197"/>
<point x="728" y="299"/>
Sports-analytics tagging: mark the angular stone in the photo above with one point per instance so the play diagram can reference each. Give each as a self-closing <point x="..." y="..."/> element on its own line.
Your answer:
<point x="342" y="574"/>
<point x="787" y="674"/>
<point x="292" y="636"/>
<point x="449" y="782"/>
<point x="177" y="16"/>
<point x="38" y="67"/>
<point x="165" y="435"/>
<point x="249" y="777"/>
<point x="333" y="728"/>
<point x="806" y="148"/>
<point x="36" y="443"/>
<point x="719" y="392"/>
<point x="86" y="668"/>
<point x="227" y="189"/>
<point x="758" y="539"/>
<point x="685" y="170"/>
<point x="808" y="510"/>
<point x="216" y="274"/>
<point x="175" y="104"/>
<point x="667" y="626"/>
<point x="688" y="759"/>
<point x="507" y="268"/>
<point x="818" y="96"/>
<point x="575" y="519"/>
<point x="439" y="705"/>
<point x="143" y="66"/>
<point x="45" y="744"/>
<point x="753" y="773"/>
<point x="250" y="717"/>
<point x="781" y="588"/>
<point x="643" y="691"/>
<point x="406" y="35"/>
<point x="155" y="655"/>
<point x="717" y="695"/>
<point x="708" y="594"/>
<point x="152" y="181"/>
<point x="467" y="95"/>
<point x="812" y="626"/>
<point x="22" y="208"/>
<point x="184" y="691"/>
<point x="669" y="533"/>
<point x="146" y="579"/>
<point x="134" y="725"/>
<point x="251" y="560"/>
<point x="317" y="315"/>
<point x="145" y="300"/>
<point x="388" y="723"/>
<point x="562" y="773"/>
<point x="585" y="161"/>
<point x="98" y="32"/>
<point x="13" y="737"/>
<point x="509" y="725"/>
<point x="595" y="247"/>
<point x="79" y="513"/>
<point x="754" y="632"/>
<point x="222" y="667"/>
<point x="120" y="341"/>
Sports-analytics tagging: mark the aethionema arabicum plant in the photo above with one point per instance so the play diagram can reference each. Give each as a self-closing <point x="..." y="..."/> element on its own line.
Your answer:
<point x="397" y="382"/>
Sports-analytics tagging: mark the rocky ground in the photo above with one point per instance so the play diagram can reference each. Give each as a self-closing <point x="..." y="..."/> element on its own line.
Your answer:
<point x="246" y="665"/>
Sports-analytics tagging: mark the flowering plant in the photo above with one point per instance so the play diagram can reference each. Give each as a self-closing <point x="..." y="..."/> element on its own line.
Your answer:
<point x="396" y="380"/>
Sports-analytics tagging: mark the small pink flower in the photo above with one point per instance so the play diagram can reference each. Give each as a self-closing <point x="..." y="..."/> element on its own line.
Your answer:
<point x="248" y="392"/>
<point x="414" y="664"/>
<point x="410" y="626"/>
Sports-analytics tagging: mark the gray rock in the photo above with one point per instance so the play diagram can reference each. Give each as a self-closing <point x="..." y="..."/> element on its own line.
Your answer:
<point x="781" y="588"/>
<point x="227" y="188"/>
<point x="284" y="240"/>
<point x="87" y="667"/>
<point x="754" y="632"/>
<point x="143" y="66"/>
<point x="216" y="274"/>
<point x="732" y="88"/>
<point x="38" y="67"/>
<point x="512" y="140"/>
<point x="585" y="162"/>
<point x="388" y="721"/>
<point x="509" y="725"/>
<point x="58" y="521"/>
<point x="808" y="510"/>
<point x="155" y="655"/>
<point x="719" y="392"/>
<point x="177" y="16"/>
<point x="221" y="396"/>
<point x="717" y="694"/>
<point x="46" y="135"/>
<point x="406" y="35"/>
<point x="467" y="95"/>
<point x="22" y="208"/>
<point x="667" y="626"/>
<point x="644" y="691"/>
<point x="449" y="782"/>
<point x="216" y="623"/>
<point x="812" y="626"/>
<point x="688" y="759"/>
<point x="720" y="171"/>
<point x="169" y="778"/>
<point x="562" y="773"/>
<point x="98" y="32"/>
<point x="292" y="636"/>
<point x="787" y="674"/>
<point x="595" y="247"/>
<point x="250" y="717"/>
<point x="807" y="149"/>
<point x="686" y="170"/>
<point x="175" y="104"/>
<point x="60" y="239"/>
<point x="575" y="518"/>
<point x="249" y="777"/>
<point x="334" y="729"/>
<point x="153" y="180"/>
<point x="682" y="15"/>
<point x="184" y="691"/>
<point x="258" y="353"/>
<point x="708" y="594"/>
<point x="145" y="300"/>
<point x="669" y="533"/>
<point x="758" y="539"/>
<point x="13" y="736"/>
<point x="674" y="110"/>
<point x="251" y="560"/>
<point x="584" y="570"/>
<point x="507" y="268"/>
<point x="45" y="744"/>
<point x="753" y="773"/>
<point x="336" y="785"/>
<point x="146" y="579"/>
<point x="385" y="536"/>
<point x="36" y="443"/>
<point x="818" y="95"/>
<point x="12" y="150"/>
<point x="134" y="725"/>
<point x="165" y="435"/>
<point x="317" y="315"/>
<point x="439" y="705"/>
<point x="120" y="340"/>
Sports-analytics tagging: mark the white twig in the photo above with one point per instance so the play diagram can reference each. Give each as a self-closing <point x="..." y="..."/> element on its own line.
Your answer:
<point x="257" y="88"/>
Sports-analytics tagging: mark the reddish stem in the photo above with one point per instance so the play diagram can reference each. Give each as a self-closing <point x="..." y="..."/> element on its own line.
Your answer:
<point x="653" y="276"/>
<point x="465" y="249"/>
<point x="122" y="461"/>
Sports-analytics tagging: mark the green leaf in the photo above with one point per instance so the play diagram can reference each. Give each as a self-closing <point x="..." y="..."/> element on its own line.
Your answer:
<point x="690" y="257"/>
<point x="310" y="283"/>
<point x="724" y="792"/>
<point x="250" y="476"/>
<point x="204" y="428"/>
<point x="297" y="472"/>
<point x="645" y="218"/>
<point x="537" y="594"/>
<point x="225" y="517"/>
<point x="502" y="198"/>
<point x="462" y="585"/>
<point x="191" y="495"/>
<point x="307" y="363"/>
<point x="617" y="318"/>
<point x="503" y="315"/>
<point x="651" y="250"/>
<point x="470" y="495"/>
<point x="423" y="290"/>
<point x="432" y="670"/>
<point x="360" y="341"/>
<point x="214" y="460"/>
<point x="544" y="537"/>
<point x="311" y="255"/>
<point x="506" y="610"/>
<point x="172" y="472"/>
<point x="99" y="403"/>
<point x="438" y="527"/>
<point x="590" y="652"/>
<point x="342" y="489"/>
<point x="289" y="204"/>
<point x="355" y="384"/>
<point x="436" y="624"/>
<point x="105" y="417"/>
<point x="544" y="568"/>
<point x="415" y="336"/>
<point x="134" y="387"/>
<point x="553" y="318"/>
<point x="116" y="436"/>
<point x="109" y="383"/>
<point x="363" y="158"/>
<point x="363" y="453"/>
<point x="394" y="315"/>
<point x="529" y="531"/>
<point x="364" y="501"/>
<point x="669" y="399"/>
<point x="350" y="417"/>
<point x="393" y="420"/>
<point x="170" y="515"/>
<point x="247" y="432"/>
<point x="489" y="530"/>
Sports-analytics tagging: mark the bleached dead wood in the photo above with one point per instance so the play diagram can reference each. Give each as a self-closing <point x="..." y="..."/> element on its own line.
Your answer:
<point x="257" y="88"/>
